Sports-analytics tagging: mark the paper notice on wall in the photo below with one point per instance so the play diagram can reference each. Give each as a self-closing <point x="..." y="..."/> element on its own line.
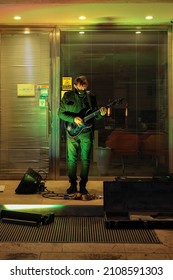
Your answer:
<point x="66" y="83"/>
<point x="25" y="89"/>
<point x="2" y="188"/>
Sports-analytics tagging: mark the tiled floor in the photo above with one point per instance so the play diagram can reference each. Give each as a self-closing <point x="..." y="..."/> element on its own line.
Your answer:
<point x="82" y="251"/>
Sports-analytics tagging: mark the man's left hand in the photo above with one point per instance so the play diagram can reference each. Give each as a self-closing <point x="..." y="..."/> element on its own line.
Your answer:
<point x="103" y="111"/>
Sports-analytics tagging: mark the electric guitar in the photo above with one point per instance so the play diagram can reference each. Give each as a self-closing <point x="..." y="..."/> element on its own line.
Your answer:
<point x="74" y="130"/>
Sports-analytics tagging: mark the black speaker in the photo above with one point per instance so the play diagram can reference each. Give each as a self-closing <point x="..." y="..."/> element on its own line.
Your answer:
<point x="31" y="183"/>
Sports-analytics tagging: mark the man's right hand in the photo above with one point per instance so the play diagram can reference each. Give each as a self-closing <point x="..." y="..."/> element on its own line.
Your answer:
<point x="78" y="121"/>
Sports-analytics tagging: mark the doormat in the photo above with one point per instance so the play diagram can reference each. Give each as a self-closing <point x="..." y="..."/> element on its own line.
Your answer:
<point x="75" y="230"/>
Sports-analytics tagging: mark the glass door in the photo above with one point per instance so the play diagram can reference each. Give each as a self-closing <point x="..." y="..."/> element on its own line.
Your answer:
<point x="130" y="65"/>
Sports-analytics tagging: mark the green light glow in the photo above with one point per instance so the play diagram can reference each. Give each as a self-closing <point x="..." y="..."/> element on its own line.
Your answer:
<point x="30" y="206"/>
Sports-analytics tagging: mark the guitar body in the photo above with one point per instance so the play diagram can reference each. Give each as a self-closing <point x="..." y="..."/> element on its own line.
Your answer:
<point x="73" y="129"/>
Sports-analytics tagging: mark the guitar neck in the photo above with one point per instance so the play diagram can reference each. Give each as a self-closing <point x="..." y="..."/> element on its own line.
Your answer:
<point x="92" y="115"/>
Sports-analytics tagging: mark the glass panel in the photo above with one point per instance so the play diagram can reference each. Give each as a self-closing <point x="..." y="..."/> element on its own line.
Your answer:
<point x="122" y="64"/>
<point x="23" y="102"/>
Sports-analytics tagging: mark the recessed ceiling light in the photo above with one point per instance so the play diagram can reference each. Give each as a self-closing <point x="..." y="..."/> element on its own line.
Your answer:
<point x="149" y="17"/>
<point x="27" y="31"/>
<point x="17" y="17"/>
<point x="82" y="17"/>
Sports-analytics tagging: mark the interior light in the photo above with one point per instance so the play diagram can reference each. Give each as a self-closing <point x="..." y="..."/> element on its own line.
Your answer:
<point x="27" y="31"/>
<point x="81" y="32"/>
<point x="138" y="32"/>
<point x="108" y="111"/>
<point x="17" y="17"/>
<point x="126" y="110"/>
<point x="149" y="17"/>
<point x="82" y="17"/>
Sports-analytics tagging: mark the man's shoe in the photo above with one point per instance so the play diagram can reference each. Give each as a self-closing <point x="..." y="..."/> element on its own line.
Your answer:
<point x="83" y="190"/>
<point x="71" y="190"/>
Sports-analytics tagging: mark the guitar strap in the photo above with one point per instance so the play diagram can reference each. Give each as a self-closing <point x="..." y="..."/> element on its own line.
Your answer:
<point x="90" y="105"/>
<point x="89" y="99"/>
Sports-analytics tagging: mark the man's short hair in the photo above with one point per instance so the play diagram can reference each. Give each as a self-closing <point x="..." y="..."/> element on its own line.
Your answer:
<point x="82" y="80"/>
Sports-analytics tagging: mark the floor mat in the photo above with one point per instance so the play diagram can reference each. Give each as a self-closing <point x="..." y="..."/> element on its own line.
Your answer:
<point x="75" y="230"/>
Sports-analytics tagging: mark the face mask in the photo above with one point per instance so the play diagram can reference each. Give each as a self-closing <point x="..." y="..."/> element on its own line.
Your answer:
<point x="81" y="92"/>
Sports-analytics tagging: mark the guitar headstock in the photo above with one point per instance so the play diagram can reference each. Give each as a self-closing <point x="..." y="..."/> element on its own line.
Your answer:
<point x="117" y="101"/>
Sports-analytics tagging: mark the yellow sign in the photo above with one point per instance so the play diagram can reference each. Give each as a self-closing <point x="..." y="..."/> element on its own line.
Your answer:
<point x="66" y="83"/>
<point x="25" y="89"/>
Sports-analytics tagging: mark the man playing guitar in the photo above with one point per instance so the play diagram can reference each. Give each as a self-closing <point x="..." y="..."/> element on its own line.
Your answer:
<point x="73" y="111"/>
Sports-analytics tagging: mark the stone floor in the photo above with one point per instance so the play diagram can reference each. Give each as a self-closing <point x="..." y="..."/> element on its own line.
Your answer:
<point x="77" y="251"/>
